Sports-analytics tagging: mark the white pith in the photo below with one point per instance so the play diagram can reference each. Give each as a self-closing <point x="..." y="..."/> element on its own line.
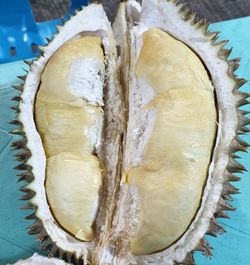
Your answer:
<point x="87" y="79"/>
<point x="166" y="16"/>
<point x="80" y="24"/>
<point x="39" y="260"/>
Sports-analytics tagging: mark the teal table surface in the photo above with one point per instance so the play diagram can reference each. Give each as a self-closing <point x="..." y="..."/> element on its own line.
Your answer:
<point x="231" y="248"/>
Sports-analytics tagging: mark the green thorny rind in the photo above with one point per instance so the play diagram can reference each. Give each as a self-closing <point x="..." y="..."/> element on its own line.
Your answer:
<point x="233" y="167"/>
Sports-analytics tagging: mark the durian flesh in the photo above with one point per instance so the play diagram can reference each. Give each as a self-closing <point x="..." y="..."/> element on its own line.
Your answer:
<point x="70" y="124"/>
<point x="174" y="162"/>
<point x="132" y="178"/>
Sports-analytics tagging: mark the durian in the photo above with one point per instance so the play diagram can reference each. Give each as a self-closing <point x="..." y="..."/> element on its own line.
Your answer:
<point x="129" y="134"/>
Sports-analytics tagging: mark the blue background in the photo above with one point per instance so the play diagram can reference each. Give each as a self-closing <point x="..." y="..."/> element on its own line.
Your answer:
<point x="232" y="248"/>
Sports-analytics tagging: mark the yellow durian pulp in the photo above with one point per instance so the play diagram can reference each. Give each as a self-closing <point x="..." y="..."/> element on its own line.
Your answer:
<point x="69" y="127"/>
<point x="176" y="158"/>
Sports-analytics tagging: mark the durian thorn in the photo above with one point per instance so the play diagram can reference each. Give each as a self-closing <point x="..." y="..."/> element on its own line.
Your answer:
<point x="23" y="156"/>
<point x="16" y="122"/>
<point x="236" y="146"/>
<point x="230" y="189"/>
<point x="183" y="7"/>
<point x="242" y="130"/>
<point x="35" y="228"/>
<point x="27" y="176"/>
<point x="244" y="112"/>
<point x="242" y="143"/>
<point x="202" y="24"/>
<point x="48" y="40"/>
<point x="29" y="206"/>
<point x="234" y="156"/>
<point x="16" y="98"/>
<point x="213" y="35"/>
<point x="19" y="144"/>
<point x="22" y="77"/>
<point x="23" y="166"/>
<point x="75" y="260"/>
<point x="68" y="256"/>
<point x="205" y="248"/>
<point x="62" y="253"/>
<point x="16" y="109"/>
<point x="189" y="259"/>
<point x="58" y="27"/>
<point x="221" y="214"/>
<point x="17" y="132"/>
<point x="227" y="197"/>
<point x="187" y="14"/>
<point x="233" y="66"/>
<point x="239" y="83"/>
<point x="215" y="229"/>
<point x="222" y="43"/>
<point x="29" y="194"/>
<point x="54" y="251"/>
<point x="235" y="167"/>
<point x="47" y="244"/>
<point x="29" y="63"/>
<point x="193" y="19"/>
<point x="31" y="216"/>
<point x="235" y="61"/>
<point x="42" y="49"/>
<point x="232" y="178"/>
<point x="18" y="87"/>
<point x="242" y="103"/>
<point x="42" y="236"/>
<point x="225" y="53"/>
<point x="226" y="206"/>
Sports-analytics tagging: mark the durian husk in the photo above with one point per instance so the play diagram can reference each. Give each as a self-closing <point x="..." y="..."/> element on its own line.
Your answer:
<point x="219" y="189"/>
<point x="177" y="19"/>
<point x="31" y="155"/>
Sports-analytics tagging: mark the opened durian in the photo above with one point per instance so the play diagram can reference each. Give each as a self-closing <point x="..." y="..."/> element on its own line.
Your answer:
<point x="129" y="136"/>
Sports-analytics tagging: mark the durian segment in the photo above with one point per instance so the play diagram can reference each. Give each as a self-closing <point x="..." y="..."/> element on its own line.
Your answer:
<point x="65" y="127"/>
<point x="69" y="120"/>
<point x="72" y="187"/>
<point x="176" y="158"/>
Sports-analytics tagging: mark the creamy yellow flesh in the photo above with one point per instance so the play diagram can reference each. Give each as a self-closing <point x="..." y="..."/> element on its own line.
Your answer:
<point x="177" y="156"/>
<point x="69" y="126"/>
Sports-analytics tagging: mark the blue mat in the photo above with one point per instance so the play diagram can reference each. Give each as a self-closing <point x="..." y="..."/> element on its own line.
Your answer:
<point x="232" y="248"/>
<point x="20" y="35"/>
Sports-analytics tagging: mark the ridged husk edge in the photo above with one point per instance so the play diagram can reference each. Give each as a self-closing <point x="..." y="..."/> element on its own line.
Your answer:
<point x="23" y="154"/>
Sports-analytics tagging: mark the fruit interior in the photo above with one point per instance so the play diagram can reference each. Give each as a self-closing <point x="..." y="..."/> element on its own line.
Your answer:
<point x="169" y="163"/>
<point x="69" y="118"/>
<point x="169" y="139"/>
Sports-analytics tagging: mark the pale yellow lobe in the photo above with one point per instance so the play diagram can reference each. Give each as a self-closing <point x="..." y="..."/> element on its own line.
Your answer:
<point x="69" y="127"/>
<point x="55" y="79"/>
<point x="177" y="156"/>
<point x="72" y="188"/>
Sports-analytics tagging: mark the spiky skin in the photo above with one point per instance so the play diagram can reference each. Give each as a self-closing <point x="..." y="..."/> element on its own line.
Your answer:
<point x="233" y="166"/>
